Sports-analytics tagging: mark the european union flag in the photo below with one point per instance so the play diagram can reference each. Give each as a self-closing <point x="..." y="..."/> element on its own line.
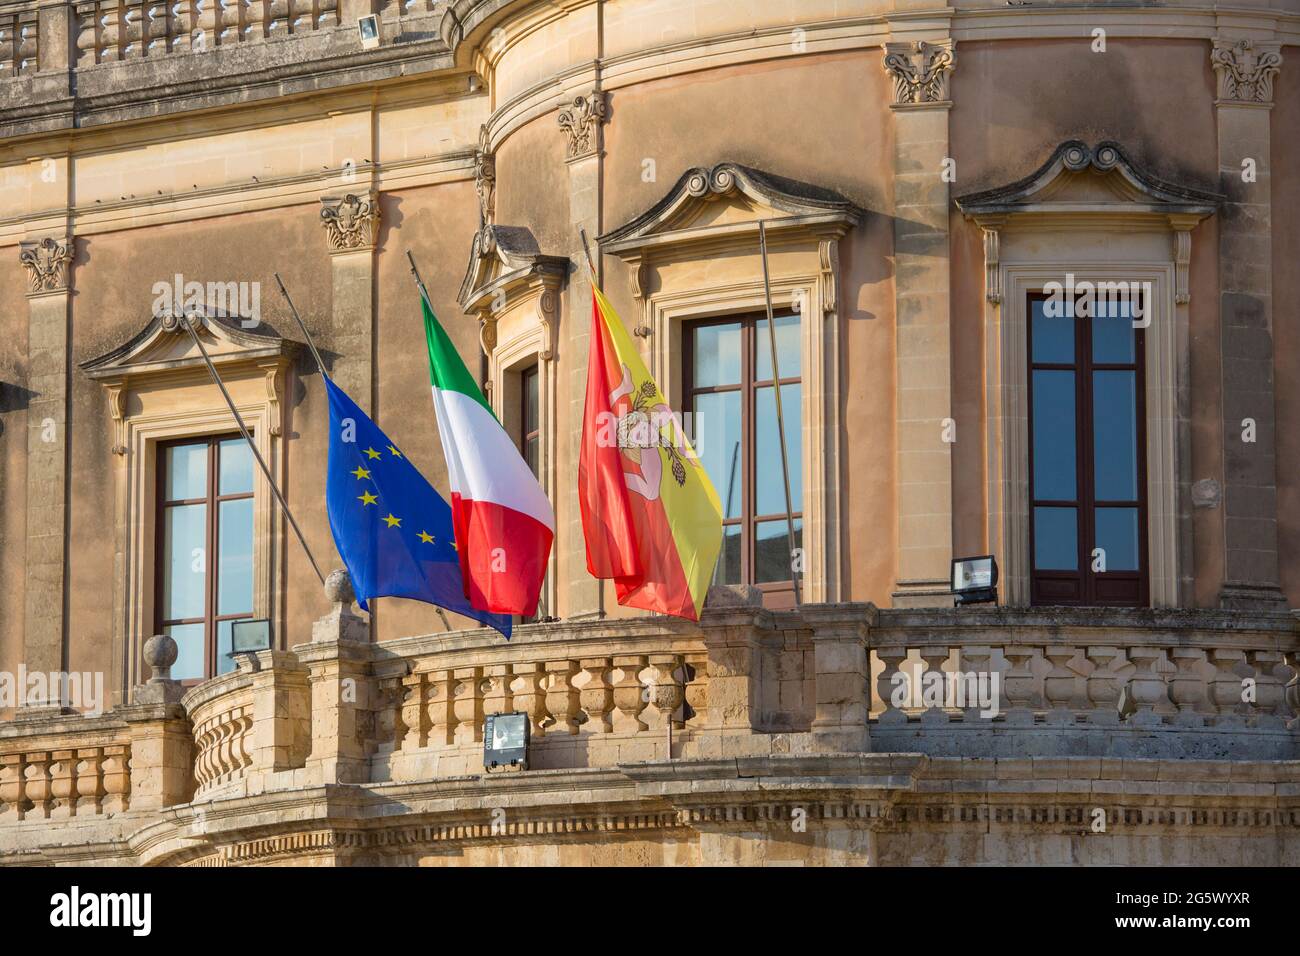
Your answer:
<point x="392" y="529"/>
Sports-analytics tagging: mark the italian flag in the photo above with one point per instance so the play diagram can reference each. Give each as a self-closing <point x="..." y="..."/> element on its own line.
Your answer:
<point x="503" y="523"/>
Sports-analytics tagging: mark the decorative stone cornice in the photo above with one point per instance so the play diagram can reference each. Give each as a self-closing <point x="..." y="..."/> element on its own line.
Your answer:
<point x="581" y="122"/>
<point x="46" y="262"/>
<point x="351" y="222"/>
<point x="920" y="71"/>
<point x="1246" y="69"/>
<point x="485" y="178"/>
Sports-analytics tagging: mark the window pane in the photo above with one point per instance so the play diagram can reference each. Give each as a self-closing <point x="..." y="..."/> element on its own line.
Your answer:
<point x="1056" y="539"/>
<point x="235" y="558"/>
<point x="717" y="355"/>
<point x="1112" y="333"/>
<point x="1117" y="535"/>
<point x="1114" y="429"/>
<point x="184" y="564"/>
<point x="530" y="400"/>
<point x="186" y="469"/>
<point x="717" y="442"/>
<point x="189" y="651"/>
<point x="772" y="558"/>
<point x="225" y="641"/>
<point x="728" y="569"/>
<point x="530" y="454"/>
<point x="787" y="347"/>
<point x="236" y="468"/>
<point x="1052" y="335"/>
<point x="769" y="486"/>
<point x="1054" y="450"/>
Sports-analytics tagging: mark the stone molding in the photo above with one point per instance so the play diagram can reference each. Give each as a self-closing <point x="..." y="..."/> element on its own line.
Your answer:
<point x="46" y="262"/>
<point x="920" y="71"/>
<point x="581" y="121"/>
<point x="351" y="222"/>
<point x="1246" y="70"/>
<point x="485" y="178"/>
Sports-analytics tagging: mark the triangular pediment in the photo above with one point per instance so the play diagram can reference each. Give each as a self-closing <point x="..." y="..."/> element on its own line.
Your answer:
<point x="165" y="345"/>
<point x="729" y="199"/>
<point x="1078" y="179"/>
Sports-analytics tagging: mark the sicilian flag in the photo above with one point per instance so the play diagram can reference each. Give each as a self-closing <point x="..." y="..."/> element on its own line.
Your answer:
<point x="503" y="523"/>
<point x="651" y="517"/>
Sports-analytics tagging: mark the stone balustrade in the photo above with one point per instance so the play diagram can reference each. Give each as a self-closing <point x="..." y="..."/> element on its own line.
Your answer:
<point x="19" y="42"/>
<point x="78" y="773"/>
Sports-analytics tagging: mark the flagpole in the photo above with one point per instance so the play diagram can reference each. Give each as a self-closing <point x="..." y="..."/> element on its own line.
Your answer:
<point x="780" y="417"/>
<point x="188" y="322"/>
<point x="297" y="318"/>
<point x="591" y="274"/>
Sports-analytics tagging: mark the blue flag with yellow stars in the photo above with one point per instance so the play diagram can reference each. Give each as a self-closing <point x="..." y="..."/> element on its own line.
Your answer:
<point x="392" y="529"/>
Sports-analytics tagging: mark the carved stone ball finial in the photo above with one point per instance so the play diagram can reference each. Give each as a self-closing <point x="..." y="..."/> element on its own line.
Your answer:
<point x="160" y="654"/>
<point x="338" y="587"/>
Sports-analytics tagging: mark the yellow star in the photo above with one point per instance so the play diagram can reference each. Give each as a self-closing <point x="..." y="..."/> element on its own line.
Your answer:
<point x="372" y="453"/>
<point x="361" y="472"/>
<point x="455" y="546"/>
<point x="426" y="537"/>
<point x="396" y="453"/>
<point x="367" y="499"/>
<point x="393" y="522"/>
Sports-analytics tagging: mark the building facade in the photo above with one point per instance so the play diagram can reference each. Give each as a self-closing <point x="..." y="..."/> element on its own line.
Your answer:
<point x="1033" y="271"/>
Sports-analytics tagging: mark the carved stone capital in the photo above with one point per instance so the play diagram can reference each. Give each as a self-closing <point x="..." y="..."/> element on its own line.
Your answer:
<point x="581" y="123"/>
<point x="920" y="71"/>
<point x="46" y="263"/>
<point x="351" y="222"/>
<point x="1246" y="69"/>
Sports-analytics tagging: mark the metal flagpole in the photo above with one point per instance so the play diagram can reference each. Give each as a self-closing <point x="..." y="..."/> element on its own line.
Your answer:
<point x="780" y="417"/>
<point x="446" y="626"/>
<point x="243" y="430"/>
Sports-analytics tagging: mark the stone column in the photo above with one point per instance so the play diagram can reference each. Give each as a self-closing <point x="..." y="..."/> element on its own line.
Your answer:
<point x="581" y="123"/>
<point x="1245" y="71"/>
<point x="342" y="690"/>
<point x="351" y="224"/>
<point x="842" y="671"/>
<point x="920" y="71"/>
<point x="47" y="265"/>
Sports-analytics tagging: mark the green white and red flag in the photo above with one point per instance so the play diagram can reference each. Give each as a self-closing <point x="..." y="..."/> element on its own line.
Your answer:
<point x="503" y="521"/>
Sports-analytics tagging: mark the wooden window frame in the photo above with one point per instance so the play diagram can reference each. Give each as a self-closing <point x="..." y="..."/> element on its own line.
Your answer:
<point x="1088" y="592"/>
<point x="531" y="373"/>
<point x="776" y="594"/>
<point x="212" y="500"/>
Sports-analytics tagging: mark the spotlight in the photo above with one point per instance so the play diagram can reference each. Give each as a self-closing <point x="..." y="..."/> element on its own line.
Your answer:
<point x="505" y="741"/>
<point x="368" y="30"/>
<point x="975" y="580"/>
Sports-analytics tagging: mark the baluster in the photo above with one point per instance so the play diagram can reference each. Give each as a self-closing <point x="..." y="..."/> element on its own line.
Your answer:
<point x="90" y="785"/>
<point x="887" y="684"/>
<point x="117" y="778"/>
<point x="37" y="776"/>
<point x="1059" y="684"/>
<point x="180" y="25"/>
<point x="209" y="20"/>
<point x="87" y="33"/>
<point x="597" y="696"/>
<point x="63" y="785"/>
<point x="1022" y="698"/>
<point x="1269" y="706"/>
<point x="278" y="13"/>
<point x="665" y="694"/>
<point x="254" y="19"/>
<point x="414" y="717"/>
<point x="132" y="29"/>
<point x="562" y="696"/>
<point x="528" y="695"/>
<point x="1187" y="687"/>
<point x="976" y="660"/>
<point x="497" y="698"/>
<point x="110" y="47"/>
<point x="934" y="689"/>
<point x="244" y="743"/>
<point x="27" y="55"/>
<point x="1103" y="685"/>
<point x="8" y="45"/>
<point x="629" y="694"/>
<point x="697" y="688"/>
<point x="1226" y="686"/>
<point x="327" y="14"/>
<point x="1147" y="688"/>
<point x="442" y="719"/>
<point x="155" y="37"/>
<point x="467" y="705"/>
<point x="1293" y="688"/>
<point x="11" y="787"/>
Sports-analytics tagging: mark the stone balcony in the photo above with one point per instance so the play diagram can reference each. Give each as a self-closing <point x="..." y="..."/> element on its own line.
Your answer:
<point x="656" y="719"/>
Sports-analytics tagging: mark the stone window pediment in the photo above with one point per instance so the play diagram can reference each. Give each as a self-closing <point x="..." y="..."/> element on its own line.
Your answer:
<point x="507" y="271"/>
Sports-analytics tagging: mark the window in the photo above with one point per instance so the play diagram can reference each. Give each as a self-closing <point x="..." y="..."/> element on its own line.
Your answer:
<point x="205" y="550"/>
<point x="728" y="389"/>
<point x="529" y="420"/>
<point x="1087" y="435"/>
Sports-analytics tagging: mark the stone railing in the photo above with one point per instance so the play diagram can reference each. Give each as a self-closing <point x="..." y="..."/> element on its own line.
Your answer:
<point x="19" y="42"/>
<point x="1091" y="682"/>
<point x="64" y="767"/>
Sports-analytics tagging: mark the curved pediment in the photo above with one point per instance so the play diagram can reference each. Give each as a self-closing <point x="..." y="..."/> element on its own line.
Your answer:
<point x="505" y="259"/>
<point x="165" y="345"/>
<point x="1082" y="180"/>
<point x="729" y="200"/>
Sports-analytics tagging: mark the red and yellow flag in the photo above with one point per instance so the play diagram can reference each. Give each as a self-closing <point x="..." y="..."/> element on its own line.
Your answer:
<point x="651" y="517"/>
